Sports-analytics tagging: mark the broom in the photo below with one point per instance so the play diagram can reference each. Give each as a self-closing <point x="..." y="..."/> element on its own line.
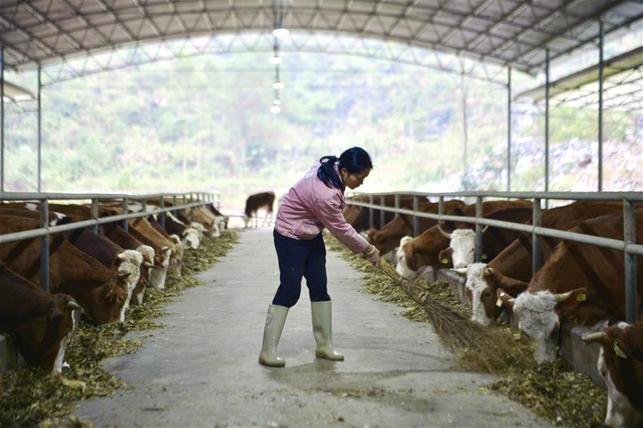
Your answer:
<point x="486" y="349"/>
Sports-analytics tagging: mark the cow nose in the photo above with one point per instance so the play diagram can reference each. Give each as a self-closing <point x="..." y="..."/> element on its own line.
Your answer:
<point x="460" y="265"/>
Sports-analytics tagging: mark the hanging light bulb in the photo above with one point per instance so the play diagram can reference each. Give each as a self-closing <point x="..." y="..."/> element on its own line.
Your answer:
<point x="274" y="109"/>
<point x="280" y="33"/>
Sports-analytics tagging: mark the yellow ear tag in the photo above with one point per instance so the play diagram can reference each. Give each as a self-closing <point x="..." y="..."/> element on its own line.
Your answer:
<point x="581" y="297"/>
<point x="444" y="261"/>
<point x="499" y="302"/>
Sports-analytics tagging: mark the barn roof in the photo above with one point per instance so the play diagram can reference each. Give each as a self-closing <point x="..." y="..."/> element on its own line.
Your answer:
<point x="507" y="32"/>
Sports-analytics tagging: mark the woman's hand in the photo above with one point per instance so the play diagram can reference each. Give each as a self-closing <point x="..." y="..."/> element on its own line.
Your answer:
<point x="372" y="254"/>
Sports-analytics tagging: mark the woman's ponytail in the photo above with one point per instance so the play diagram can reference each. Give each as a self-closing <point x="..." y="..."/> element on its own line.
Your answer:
<point x="327" y="172"/>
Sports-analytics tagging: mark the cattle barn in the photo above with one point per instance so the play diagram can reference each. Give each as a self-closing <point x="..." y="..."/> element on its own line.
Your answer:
<point x="532" y="232"/>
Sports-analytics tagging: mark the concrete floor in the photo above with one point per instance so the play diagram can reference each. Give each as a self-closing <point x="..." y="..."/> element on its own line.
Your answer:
<point x="201" y="369"/>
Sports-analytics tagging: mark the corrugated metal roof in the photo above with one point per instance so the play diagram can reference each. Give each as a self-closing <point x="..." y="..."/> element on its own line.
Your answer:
<point x="507" y="32"/>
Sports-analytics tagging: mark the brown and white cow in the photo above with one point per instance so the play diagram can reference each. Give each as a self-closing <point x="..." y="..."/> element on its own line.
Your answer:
<point x="163" y="249"/>
<point x="620" y="363"/>
<point x="189" y="235"/>
<point x="511" y="269"/>
<point x="358" y="217"/>
<point x="40" y="323"/>
<point x="99" y="290"/>
<point x="388" y="237"/>
<point x="592" y="274"/>
<point x="174" y="268"/>
<point x="257" y="201"/>
<point x="417" y="254"/>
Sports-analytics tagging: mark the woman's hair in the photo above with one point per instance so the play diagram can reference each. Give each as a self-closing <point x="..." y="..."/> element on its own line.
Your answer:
<point x="354" y="160"/>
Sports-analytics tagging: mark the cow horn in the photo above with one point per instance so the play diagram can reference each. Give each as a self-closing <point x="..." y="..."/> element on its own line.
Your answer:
<point x="148" y="264"/>
<point x="561" y="297"/>
<point x="487" y="271"/>
<point x="72" y="305"/>
<point x="599" y="336"/>
<point x="462" y="271"/>
<point x="446" y="235"/>
<point x="484" y="229"/>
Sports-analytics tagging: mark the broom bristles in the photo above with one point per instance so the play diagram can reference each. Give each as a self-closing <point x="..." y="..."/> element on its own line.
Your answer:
<point x="456" y="332"/>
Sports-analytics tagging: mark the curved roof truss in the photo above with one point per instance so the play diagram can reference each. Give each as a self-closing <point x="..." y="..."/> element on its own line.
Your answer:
<point x="506" y="32"/>
<point x="139" y="54"/>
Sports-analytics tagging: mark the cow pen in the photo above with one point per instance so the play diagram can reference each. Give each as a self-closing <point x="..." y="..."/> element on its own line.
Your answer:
<point x="572" y="347"/>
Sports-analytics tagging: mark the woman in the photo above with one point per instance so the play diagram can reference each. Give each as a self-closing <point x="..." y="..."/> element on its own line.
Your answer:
<point x="314" y="202"/>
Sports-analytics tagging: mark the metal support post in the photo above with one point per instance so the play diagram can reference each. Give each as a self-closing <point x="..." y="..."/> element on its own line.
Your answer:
<point x="94" y="214"/>
<point x="629" y="236"/>
<point x="479" y="214"/>
<point x="382" y="204"/>
<point x="546" y="120"/>
<point x="44" y="246"/>
<point x="144" y="206"/>
<point x="39" y="184"/>
<point x="416" y="219"/>
<point x="2" y="119"/>
<point x="441" y="206"/>
<point x="536" y="253"/>
<point x="397" y="203"/>
<point x="162" y="215"/>
<point x="600" y="105"/>
<point x="125" y="211"/>
<point x="175" y="211"/>
<point x="370" y="213"/>
<point x="508" y="129"/>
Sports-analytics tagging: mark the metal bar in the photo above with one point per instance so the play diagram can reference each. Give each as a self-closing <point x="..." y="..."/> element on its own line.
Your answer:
<point x="14" y="196"/>
<point x="175" y="210"/>
<point x="37" y="233"/>
<point x="600" y="104"/>
<point x="125" y="224"/>
<point x="546" y="120"/>
<point x="39" y="184"/>
<point x="162" y="215"/>
<point x="629" y="237"/>
<point x="441" y="206"/>
<point x="416" y="219"/>
<point x="2" y="119"/>
<point x="614" y="244"/>
<point x="94" y="214"/>
<point x="479" y="214"/>
<point x="508" y="129"/>
<point x="44" y="246"/>
<point x="465" y="136"/>
<point x="581" y="196"/>
<point x="397" y="202"/>
<point x="382" y="212"/>
<point x="536" y="253"/>
<point x="370" y="213"/>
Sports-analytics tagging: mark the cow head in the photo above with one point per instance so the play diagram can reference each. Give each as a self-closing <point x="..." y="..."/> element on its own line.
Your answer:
<point x="106" y="297"/>
<point x="159" y="270"/>
<point x="622" y="373"/>
<point x="130" y="263"/>
<point x="190" y="238"/>
<point x="538" y="319"/>
<point x="174" y="268"/>
<point x="56" y="330"/>
<point x="462" y="247"/>
<point x="481" y="293"/>
<point x="200" y="229"/>
<point x="407" y="264"/>
<point x="215" y="232"/>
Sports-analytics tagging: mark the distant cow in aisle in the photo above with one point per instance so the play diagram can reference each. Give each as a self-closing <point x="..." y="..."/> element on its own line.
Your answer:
<point x="255" y="202"/>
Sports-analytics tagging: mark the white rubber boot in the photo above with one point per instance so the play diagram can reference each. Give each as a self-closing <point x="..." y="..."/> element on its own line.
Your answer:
<point x="275" y="321"/>
<point x="323" y="332"/>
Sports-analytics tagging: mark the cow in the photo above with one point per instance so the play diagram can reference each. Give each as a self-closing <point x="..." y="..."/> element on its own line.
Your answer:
<point x="592" y="274"/>
<point x="387" y="238"/>
<point x="417" y="254"/>
<point x="359" y="217"/>
<point x="256" y="201"/>
<point x="511" y="269"/>
<point x="118" y="235"/>
<point x="174" y="269"/>
<point x="100" y="291"/>
<point x="163" y="249"/>
<point x="40" y="323"/>
<point x="620" y="364"/>
<point x="189" y="235"/>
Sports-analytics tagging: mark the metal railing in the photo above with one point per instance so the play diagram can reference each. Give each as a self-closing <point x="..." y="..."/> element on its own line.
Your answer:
<point x="628" y="245"/>
<point x="45" y="230"/>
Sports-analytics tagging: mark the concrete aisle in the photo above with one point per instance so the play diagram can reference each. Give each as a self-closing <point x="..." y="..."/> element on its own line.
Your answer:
<point x="201" y="370"/>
